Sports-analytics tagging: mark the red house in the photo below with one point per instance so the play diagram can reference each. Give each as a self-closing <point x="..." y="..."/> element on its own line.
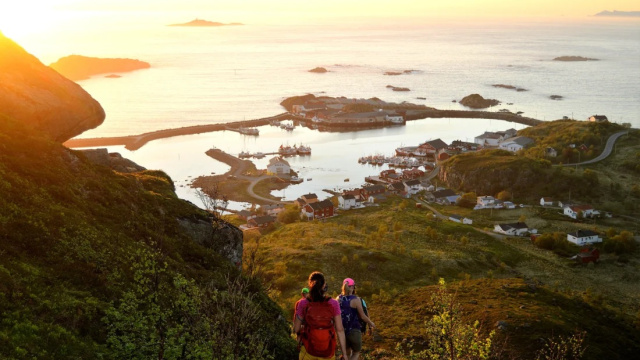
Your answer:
<point x="371" y="190"/>
<point x="587" y="255"/>
<point x="318" y="210"/>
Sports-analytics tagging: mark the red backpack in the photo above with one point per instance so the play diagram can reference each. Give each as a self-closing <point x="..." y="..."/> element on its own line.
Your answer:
<point x="318" y="335"/>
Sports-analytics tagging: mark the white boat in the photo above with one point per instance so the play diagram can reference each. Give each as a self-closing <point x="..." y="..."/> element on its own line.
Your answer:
<point x="244" y="155"/>
<point x="287" y="150"/>
<point x="304" y="150"/>
<point x="249" y="131"/>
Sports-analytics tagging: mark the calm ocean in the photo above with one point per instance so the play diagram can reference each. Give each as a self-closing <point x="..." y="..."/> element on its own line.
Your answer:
<point x="214" y="75"/>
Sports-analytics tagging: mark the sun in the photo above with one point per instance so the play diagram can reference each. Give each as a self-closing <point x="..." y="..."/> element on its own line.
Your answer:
<point x="19" y="19"/>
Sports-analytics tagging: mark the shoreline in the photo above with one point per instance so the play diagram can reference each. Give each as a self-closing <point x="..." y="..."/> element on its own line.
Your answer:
<point x="135" y="142"/>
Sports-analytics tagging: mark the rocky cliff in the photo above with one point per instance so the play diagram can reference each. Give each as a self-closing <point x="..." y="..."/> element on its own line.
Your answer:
<point x="38" y="96"/>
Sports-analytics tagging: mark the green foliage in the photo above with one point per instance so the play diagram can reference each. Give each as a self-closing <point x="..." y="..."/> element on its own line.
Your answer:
<point x="621" y="244"/>
<point x="449" y="337"/>
<point x="468" y="200"/>
<point x="563" y="348"/>
<point x="556" y="241"/>
<point x="68" y="230"/>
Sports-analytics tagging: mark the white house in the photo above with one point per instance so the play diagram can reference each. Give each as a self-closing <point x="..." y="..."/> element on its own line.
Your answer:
<point x="460" y="219"/>
<point x="412" y="186"/>
<point x="546" y="201"/>
<point x="346" y="202"/>
<point x="394" y="118"/>
<point x="515" y="144"/>
<point x="278" y="166"/>
<point x="572" y="211"/>
<point x="488" y="139"/>
<point x="485" y="201"/>
<point x="598" y="118"/>
<point x="509" y="205"/>
<point x="583" y="237"/>
<point x="516" y="229"/>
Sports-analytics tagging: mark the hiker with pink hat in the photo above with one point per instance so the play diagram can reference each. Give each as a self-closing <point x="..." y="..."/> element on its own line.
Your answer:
<point x="354" y="318"/>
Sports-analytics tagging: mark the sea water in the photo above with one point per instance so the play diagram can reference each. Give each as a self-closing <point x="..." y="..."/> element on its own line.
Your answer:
<point x="221" y="74"/>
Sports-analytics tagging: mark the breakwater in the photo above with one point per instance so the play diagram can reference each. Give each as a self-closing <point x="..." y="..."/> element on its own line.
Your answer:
<point x="134" y="142"/>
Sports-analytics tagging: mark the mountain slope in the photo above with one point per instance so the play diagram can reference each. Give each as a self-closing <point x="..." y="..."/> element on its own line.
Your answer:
<point x="41" y="98"/>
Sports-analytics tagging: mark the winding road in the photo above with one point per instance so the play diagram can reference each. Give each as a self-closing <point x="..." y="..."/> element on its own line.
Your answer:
<point x="605" y="153"/>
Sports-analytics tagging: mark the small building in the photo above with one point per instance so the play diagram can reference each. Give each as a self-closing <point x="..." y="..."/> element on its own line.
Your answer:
<point x="550" y="152"/>
<point x="261" y="221"/>
<point x="509" y="205"/>
<point x="246" y="214"/>
<point x="546" y="201"/>
<point x="318" y="210"/>
<point x="372" y="190"/>
<point x="273" y="209"/>
<point x="444" y="197"/>
<point x="346" y="202"/>
<point x="412" y="173"/>
<point x="515" y="229"/>
<point x="412" y="187"/>
<point x="485" y="201"/>
<point x="584" y="237"/>
<point x="309" y="198"/>
<point x="443" y="156"/>
<point x="574" y="211"/>
<point x="299" y="202"/>
<point x="587" y="255"/>
<point x="488" y="139"/>
<point x="377" y="198"/>
<point x="598" y="118"/>
<point x="398" y="188"/>
<point x="516" y="144"/>
<point x="467" y="221"/>
<point x="278" y="166"/>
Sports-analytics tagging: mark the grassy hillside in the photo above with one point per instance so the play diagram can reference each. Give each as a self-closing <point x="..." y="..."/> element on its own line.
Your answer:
<point x="560" y="134"/>
<point x="397" y="252"/>
<point x="95" y="264"/>
<point x="610" y="185"/>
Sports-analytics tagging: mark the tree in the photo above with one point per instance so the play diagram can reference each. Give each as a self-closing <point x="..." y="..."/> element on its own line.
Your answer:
<point x="213" y="200"/>
<point x="504" y="195"/>
<point x="289" y="215"/>
<point x="449" y="337"/>
<point x="468" y="200"/>
<point x="563" y="348"/>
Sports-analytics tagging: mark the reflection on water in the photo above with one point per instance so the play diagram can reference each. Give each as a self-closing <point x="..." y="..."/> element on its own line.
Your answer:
<point x="334" y="156"/>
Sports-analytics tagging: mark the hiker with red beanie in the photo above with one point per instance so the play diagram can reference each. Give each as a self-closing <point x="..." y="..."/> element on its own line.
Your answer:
<point x="320" y="315"/>
<point x="353" y="317"/>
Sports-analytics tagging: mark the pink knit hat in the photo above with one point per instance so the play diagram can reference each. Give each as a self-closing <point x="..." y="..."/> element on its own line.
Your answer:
<point x="349" y="281"/>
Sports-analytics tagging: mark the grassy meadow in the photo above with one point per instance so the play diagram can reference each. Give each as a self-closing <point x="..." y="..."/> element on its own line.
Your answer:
<point x="397" y="251"/>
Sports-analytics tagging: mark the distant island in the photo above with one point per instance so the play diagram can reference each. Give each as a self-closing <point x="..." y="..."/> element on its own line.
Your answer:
<point x="476" y="101"/>
<point x="573" y="58"/>
<point x="510" y="87"/>
<point x="200" y="22"/>
<point x="616" y="13"/>
<point x="78" y="67"/>
<point x="319" y="70"/>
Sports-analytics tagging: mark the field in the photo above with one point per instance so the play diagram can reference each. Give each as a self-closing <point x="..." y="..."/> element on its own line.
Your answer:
<point x="396" y="249"/>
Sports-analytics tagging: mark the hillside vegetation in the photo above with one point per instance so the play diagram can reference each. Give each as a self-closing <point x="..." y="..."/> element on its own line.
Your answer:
<point x="612" y="185"/>
<point x="96" y="264"/>
<point x="397" y="252"/>
<point x="560" y="134"/>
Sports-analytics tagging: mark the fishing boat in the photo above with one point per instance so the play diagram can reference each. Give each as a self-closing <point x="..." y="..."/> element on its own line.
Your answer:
<point x="249" y="131"/>
<point x="244" y="155"/>
<point x="303" y="150"/>
<point x="258" y="155"/>
<point x="287" y="150"/>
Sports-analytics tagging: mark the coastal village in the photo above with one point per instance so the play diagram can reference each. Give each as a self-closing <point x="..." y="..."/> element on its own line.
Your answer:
<point x="409" y="175"/>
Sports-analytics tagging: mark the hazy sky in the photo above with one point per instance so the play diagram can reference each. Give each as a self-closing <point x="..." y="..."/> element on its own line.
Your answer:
<point x="20" y="17"/>
<point x="324" y="8"/>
